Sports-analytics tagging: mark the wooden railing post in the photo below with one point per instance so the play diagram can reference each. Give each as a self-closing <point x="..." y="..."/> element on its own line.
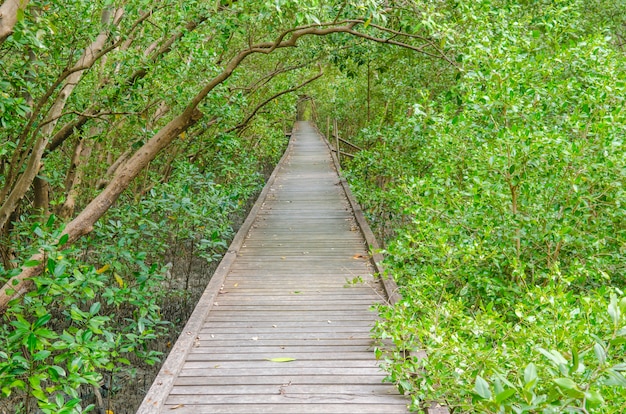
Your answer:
<point x="336" y="133"/>
<point x="328" y="128"/>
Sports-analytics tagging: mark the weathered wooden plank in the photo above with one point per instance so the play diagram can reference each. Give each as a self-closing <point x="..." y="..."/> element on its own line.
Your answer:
<point x="285" y="389"/>
<point x="276" y="318"/>
<point x="302" y="354"/>
<point x="289" y="293"/>
<point x="281" y="379"/>
<point x="288" y="304"/>
<point x="242" y="292"/>
<point x="335" y="330"/>
<point x="331" y="306"/>
<point x="205" y="354"/>
<point x="294" y="408"/>
<point x="283" y="343"/>
<point x="349" y="294"/>
<point x="289" y="326"/>
<point x="285" y="351"/>
<point x="284" y="330"/>
<point x="277" y="398"/>
<point x="280" y="316"/>
<point x="282" y="370"/>
<point x="266" y="363"/>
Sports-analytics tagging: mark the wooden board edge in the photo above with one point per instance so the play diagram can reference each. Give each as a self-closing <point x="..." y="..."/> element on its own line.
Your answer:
<point x="155" y="398"/>
<point x="389" y="284"/>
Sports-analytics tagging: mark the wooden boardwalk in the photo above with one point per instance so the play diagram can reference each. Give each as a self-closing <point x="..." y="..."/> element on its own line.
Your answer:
<point x="282" y="291"/>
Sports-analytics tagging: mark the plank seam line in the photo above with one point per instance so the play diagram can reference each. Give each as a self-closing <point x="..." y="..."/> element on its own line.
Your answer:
<point x="155" y="398"/>
<point x="389" y="284"/>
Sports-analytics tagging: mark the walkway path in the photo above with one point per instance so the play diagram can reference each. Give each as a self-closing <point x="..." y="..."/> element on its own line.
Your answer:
<point x="283" y="292"/>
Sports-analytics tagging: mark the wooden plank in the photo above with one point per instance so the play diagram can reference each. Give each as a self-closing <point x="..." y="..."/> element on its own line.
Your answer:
<point x="283" y="370"/>
<point x="289" y="293"/>
<point x="205" y="354"/>
<point x="293" y="408"/>
<point x="249" y="330"/>
<point x="282" y="343"/>
<point x="275" y="317"/>
<point x="266" y="363"/>
<point x="284" y="351"/>
<point x="280" y="379"/>
<point x="285" y="388"/>
<point x="290" y="326"/>
<point x="208" y="354"/>
<point x="277" y="398"/>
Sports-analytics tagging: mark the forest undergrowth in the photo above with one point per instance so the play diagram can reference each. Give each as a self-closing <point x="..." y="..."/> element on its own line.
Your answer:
<point x="500" y="198"/>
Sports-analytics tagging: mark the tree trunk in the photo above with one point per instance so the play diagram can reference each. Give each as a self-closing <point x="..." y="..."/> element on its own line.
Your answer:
<point x="41" y="203"/>
<point x="84" y="222"/>
<point x="24" y="182"/>
<point x="75" y="177"/>
<point x="9" y="11"/>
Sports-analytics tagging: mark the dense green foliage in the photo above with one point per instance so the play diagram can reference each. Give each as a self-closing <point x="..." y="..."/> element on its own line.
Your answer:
<point x="493" y="171"/>
<point x="95" y="311"/>
<point x="69" y="331"/>
<point x="502" y="195"/>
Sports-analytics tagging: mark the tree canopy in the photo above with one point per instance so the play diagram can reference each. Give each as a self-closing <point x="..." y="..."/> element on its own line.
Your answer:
<point x="492" y="169"/>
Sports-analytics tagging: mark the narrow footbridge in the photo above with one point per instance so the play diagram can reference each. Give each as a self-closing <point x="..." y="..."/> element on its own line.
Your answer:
<point x="282" y="327"/>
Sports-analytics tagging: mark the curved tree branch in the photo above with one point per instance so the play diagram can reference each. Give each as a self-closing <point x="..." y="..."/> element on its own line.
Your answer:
<point x="83" y="223"/>
<point x="251" y="115"/>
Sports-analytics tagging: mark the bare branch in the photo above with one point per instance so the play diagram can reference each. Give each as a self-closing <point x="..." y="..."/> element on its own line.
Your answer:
<point x="271" y="98"/>
<point x="85" y="220"/>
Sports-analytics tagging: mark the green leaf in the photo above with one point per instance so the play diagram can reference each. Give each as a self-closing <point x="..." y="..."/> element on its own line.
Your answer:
<point x="281" y="359"/>
<point x="32" y="342"/>
<point x="41" y="355"/>
<point x="575" y="361"/>
<point x="95" y="308"/>
<point x="35" y="381"/>
<point x="619" y="367"/>
<point x="530" y="373"/>
<point x="63" y="239"/>
<point x="481" y="388"/>
<point x="614" y="311"/>
<point x="505" y="395"/>
<point x="569" y="387"/>
<point x="42" y="321"/>
<point x="594" y="399"/>
<point x="31" y="263"/>
<point x="566" y="383"/>
<point x="554" y="356"/>
<point x="56" y="372"/>
<point x="600" y="353"/>
<point x="615" y="378"/>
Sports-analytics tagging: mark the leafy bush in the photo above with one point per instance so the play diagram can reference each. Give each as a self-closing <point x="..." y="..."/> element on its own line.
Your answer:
<point x="97" y="304"/>
<point x="64" y="334"/>
<point x="509" y="190"/>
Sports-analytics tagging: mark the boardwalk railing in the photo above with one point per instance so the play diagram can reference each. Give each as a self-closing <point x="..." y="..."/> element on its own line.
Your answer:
<point x="389" y="284"/>
<point x="337" y="141"/>
<point x="278" y="329"/>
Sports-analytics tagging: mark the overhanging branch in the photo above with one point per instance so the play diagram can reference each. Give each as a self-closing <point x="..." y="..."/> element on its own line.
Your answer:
<point x="248" y="118"/>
